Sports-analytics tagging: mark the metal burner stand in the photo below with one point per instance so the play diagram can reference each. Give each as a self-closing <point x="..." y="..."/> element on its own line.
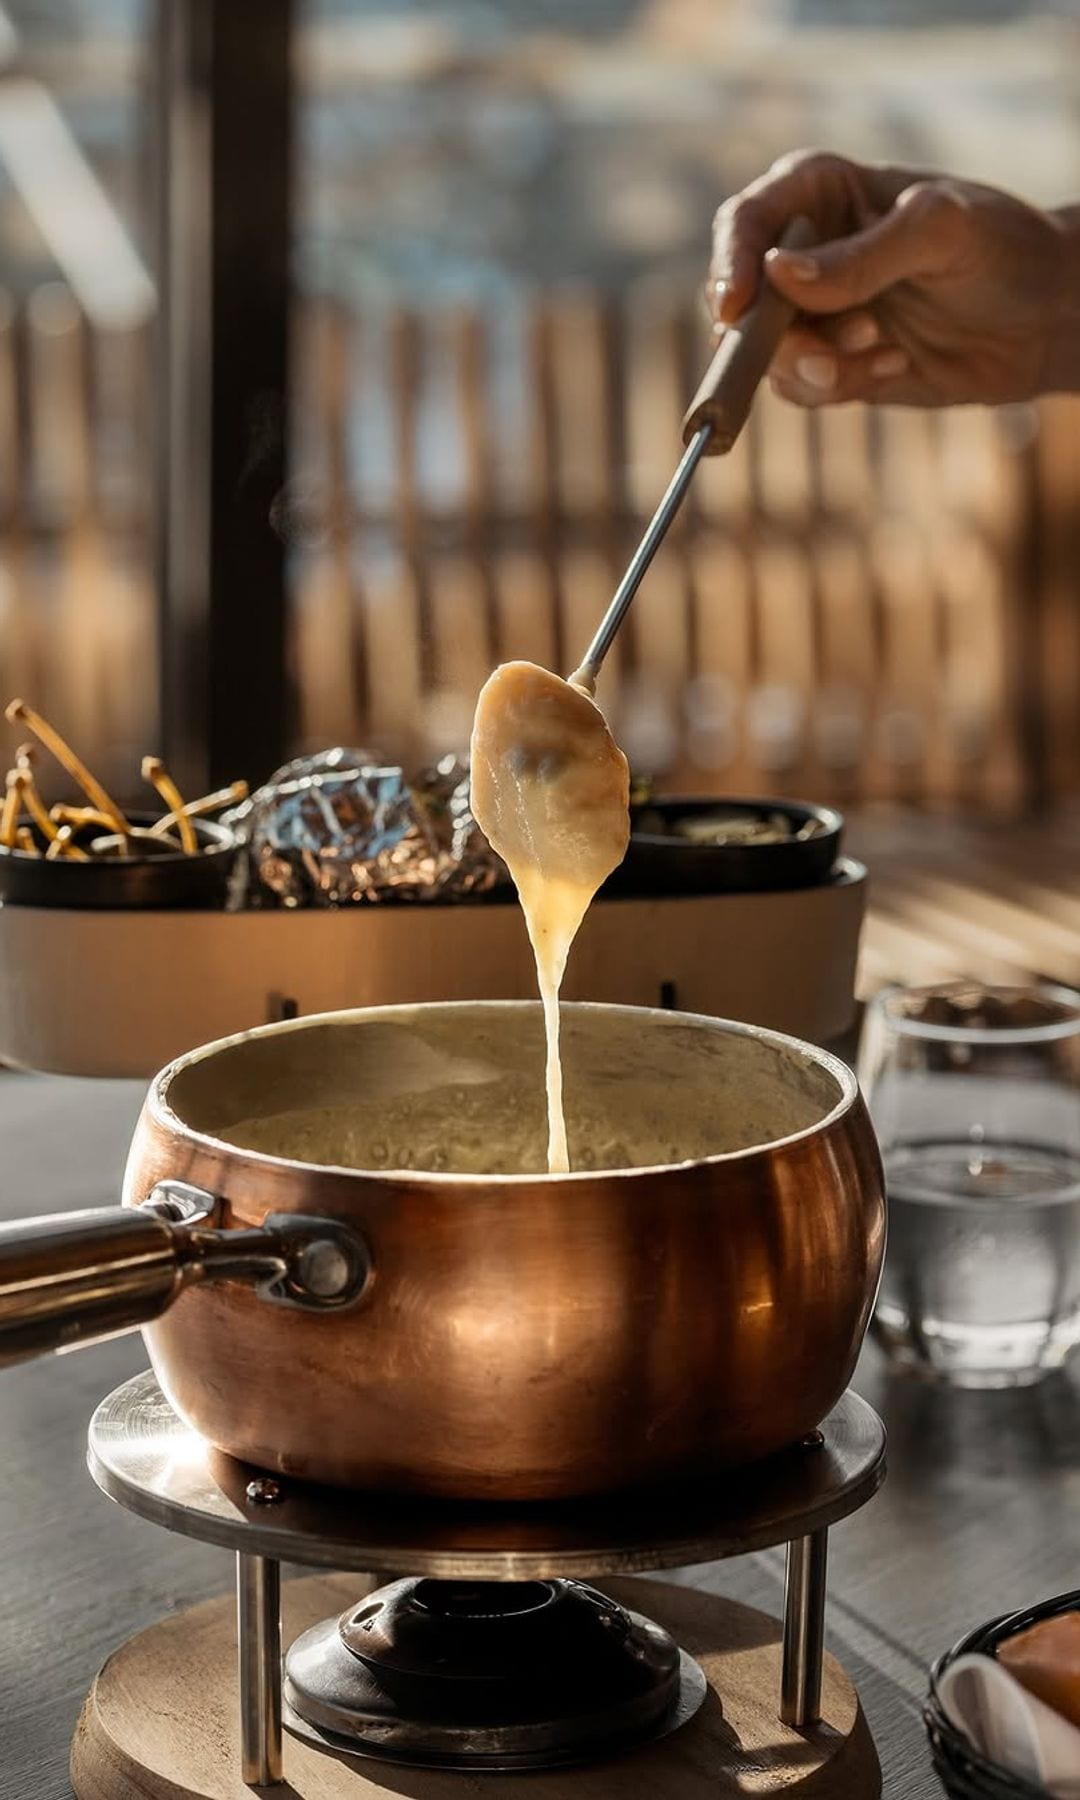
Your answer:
<point x="142" y="1456"/>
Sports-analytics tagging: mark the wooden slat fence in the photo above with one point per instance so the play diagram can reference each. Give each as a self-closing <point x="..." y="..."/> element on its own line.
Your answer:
<point x="853" y="605"/>
<point x="76" y="600"/>
<point x="859" y="605"/>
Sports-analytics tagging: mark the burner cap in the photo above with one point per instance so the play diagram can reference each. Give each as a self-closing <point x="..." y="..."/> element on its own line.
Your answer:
<point x="486" y="1674"/>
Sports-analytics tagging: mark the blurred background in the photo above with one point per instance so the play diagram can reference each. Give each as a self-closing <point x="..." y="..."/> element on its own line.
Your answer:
<point x="496" y="226"/>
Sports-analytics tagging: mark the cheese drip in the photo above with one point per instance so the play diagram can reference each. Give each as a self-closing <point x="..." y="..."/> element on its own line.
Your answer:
<point x="551" y="792"/>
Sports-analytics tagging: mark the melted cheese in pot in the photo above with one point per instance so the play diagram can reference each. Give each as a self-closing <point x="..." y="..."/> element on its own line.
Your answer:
<point x="551" y="792"/>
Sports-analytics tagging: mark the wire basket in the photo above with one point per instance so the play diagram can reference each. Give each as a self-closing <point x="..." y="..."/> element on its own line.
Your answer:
<point x="963" y="1773"/>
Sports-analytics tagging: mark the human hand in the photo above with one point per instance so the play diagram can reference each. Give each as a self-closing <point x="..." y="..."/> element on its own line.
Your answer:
<point x="924" y="290"/>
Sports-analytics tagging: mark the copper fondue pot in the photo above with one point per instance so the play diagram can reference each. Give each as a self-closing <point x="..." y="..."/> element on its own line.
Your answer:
<point x="340" y="1289"/>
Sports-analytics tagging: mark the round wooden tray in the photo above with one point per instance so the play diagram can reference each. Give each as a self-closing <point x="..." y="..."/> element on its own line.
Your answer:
<point x="160" y="1721"/>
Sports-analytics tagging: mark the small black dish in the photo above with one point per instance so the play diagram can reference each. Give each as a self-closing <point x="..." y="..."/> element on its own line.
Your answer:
<point x="962" y="1772"/>
<point x="161" y="880"/>
<point x="663" y="862"/>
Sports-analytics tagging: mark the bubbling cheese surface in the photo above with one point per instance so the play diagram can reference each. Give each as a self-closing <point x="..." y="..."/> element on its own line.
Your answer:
<point x="551" y="793"/>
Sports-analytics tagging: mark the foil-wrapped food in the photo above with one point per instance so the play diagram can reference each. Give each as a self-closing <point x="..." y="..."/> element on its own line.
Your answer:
<point x="342" y="828"/>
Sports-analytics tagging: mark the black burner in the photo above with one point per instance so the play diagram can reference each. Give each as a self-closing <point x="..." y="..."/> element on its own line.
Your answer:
<point x="488" y="1674"/>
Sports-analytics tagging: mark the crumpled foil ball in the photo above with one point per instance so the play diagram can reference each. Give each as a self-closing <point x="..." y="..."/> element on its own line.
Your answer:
<point x="341" y="828"/>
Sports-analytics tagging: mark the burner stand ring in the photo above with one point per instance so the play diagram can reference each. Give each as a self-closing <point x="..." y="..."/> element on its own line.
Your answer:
<point x="488" y="1676"/>
<point x="145" y="1458"/>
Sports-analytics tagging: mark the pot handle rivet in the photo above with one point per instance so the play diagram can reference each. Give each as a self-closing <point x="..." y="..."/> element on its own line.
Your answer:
<point x="324" y="1270"/>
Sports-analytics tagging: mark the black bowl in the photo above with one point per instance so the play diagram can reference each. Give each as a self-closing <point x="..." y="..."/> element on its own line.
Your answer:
<point x="122" y="883"/>
<point x="662" y="862"/>
<point x="963" y="1773"/>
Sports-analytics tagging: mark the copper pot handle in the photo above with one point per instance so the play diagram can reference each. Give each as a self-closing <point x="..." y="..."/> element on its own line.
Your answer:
<point x="71" y="1278"/>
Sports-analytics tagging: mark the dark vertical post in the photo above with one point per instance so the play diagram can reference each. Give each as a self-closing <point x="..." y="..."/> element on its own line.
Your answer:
<point x="224" y="159"/>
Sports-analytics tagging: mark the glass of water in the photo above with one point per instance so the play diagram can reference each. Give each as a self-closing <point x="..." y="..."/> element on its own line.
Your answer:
<point x="975" y="1096"/>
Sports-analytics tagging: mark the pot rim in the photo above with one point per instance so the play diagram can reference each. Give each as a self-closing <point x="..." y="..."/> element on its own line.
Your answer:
<point x="158" y="1105"/>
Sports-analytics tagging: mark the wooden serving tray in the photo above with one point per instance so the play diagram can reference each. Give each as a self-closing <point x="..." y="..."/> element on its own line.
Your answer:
<point x="122" y="993"/>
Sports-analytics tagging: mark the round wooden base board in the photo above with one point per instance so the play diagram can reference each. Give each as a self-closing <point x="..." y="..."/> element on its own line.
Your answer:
<point x="162" y="1721"/>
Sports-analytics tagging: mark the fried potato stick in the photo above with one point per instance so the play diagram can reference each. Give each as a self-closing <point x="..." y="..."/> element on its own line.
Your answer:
<point x="9" y="815"/>
<point x="19" y="713"/>
<point x="75" y="816"/>
<point x="154" y="771"/>
<point x="62" y="847"/>
<point x="32" y="800"/>
<point x="207" y="803"/>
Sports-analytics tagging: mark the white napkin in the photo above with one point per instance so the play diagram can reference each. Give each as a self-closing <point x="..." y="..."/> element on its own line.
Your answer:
<point x="1009" y="1726"/>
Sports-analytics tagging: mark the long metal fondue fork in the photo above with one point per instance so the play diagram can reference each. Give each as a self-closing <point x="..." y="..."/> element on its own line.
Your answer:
<point x="717" y="414"/>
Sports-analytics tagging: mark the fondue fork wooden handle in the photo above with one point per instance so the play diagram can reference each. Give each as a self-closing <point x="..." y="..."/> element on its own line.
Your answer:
<point x="723" y="401"/>
<point x="72" y="1278"/>
<point x="719" y="411"/>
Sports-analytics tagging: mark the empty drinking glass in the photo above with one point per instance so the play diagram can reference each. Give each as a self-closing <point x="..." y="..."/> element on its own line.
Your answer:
<point x="975" y="1096"/>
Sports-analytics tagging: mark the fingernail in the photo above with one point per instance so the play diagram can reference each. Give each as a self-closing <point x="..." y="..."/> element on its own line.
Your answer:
<point x="717" y="295"/>
<point x="816" y="371"/>
<point x="889" y="364"/>
<point x="857" y="334"/>
<point x="804" y="268"/>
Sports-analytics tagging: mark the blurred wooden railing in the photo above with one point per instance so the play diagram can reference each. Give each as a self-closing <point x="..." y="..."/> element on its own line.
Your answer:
<point x="76" y="597"/>
<point x="853" y="605"/>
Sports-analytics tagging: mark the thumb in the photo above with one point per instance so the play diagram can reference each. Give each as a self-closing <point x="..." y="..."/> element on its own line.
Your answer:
<point x="851" y="271"/>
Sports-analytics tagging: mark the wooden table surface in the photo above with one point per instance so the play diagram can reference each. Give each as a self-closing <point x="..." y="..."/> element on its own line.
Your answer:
<point x="948" y="899"/>
<point x="980" y="1514"/>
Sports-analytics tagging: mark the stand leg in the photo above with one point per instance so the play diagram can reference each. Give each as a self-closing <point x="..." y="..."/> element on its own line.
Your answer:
<point x="804" y="1630"/>
<point x="258" y="1614"/>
